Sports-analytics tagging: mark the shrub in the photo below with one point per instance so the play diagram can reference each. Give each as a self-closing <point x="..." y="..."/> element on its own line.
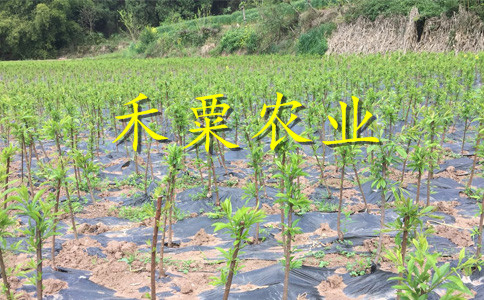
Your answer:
<point x="277" y="22"/>
<point x="371" y="9"/>
<point x="314" y="41"/>
<point x="243" y="38"/>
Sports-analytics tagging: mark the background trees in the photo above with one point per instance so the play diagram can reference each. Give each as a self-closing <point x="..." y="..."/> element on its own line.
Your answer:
<point x="39" y="29"/>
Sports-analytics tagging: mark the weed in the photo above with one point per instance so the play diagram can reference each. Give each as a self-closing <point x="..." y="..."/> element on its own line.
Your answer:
<point x="179" y="214"/>
<point x="324" y="206"/>
<point x="232" y="182"/>
<point x="359" y="267"/>
<point x="319" y="254"/>
<point x="137" y="213"/>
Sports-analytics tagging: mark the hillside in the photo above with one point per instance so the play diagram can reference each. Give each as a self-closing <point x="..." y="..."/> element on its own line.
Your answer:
<point x="160" y="28"/>
<point x="302" y="27"/>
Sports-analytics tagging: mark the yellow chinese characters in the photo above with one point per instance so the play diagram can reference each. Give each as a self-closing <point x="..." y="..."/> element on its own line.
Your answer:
<point x="135" y="121"/>
<point x="356" y="126"/>
<point x="276" y="116"/>
<point x="207" y="113"/>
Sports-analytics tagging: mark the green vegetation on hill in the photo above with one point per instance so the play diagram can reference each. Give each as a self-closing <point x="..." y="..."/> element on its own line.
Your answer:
<point x="371" y="9"/>
<point x="39" y="29"/>
<point x="274" y="27"/>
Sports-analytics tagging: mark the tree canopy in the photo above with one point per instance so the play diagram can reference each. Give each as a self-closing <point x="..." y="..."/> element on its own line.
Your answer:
<point x="40" y="28"/>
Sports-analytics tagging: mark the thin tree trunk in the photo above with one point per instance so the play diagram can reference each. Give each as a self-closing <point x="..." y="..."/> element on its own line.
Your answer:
<point x="35" y="151"/>
<point x="38" y="239"/>
<point x="408" y="110"/>
<point x="321" y="168"/>
<point x="22" y="162"/>
<point x="232" y="265"/>
<point x="42" y="147"/>
<point x="217" y="199"/>
<point x="73" y="221"/>
<point x="172" y="206"/>
<point x="136" y="162"/>
<point x="404" y="237"/>
<point x="443" y="137"/>
<point x="209" y="173"/>
<point x="479" y="237"/>
<point x="287" y="251"/>
<point x="404" y="247"/>
<point x="56" y="209"/>
<point x="29" y="161"/>
<point x="222" y="155"/>
<point x="405" y="161"/>
<point x="4" y="276"/>
<point x="161" y="270"/>
<point x="431" y="169"/>
<point x="147" y="167"/>
<point x="340" y="206"/>
<point x="6" y="181"/>
<point x="89" y="186"/>
<point x="419" y="179"/>
<point x="382" y="217"/>
<point x="77" y="175"/>
<point x="256" y="239"/>
<point x="154" y="241"/>
<point x="359" y="185"/>
<point x="282" y="208"/>
<point x="469" y="183"/>
<point x="200" y="169"/>
<point x="464" y="138"/>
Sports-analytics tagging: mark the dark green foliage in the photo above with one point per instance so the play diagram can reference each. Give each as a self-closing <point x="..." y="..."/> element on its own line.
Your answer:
<point x="38" y="29"/>
<point x="35" y="31"/>
<point x="41" y="28"/>
<point x="243" y="38"/>
<point x="427" y="8"/>
<point x="314" y="41"/>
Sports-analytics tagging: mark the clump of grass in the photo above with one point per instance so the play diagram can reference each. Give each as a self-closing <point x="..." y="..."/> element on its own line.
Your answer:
<point x="137" y="213"/>
<point x="314" y="41"/>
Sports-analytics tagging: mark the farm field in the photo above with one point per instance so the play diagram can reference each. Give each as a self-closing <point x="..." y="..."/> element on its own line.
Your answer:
<point x="340" y="218"/>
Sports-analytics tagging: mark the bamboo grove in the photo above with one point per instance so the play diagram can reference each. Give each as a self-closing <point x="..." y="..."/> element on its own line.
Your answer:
<point x="58" y="116"/>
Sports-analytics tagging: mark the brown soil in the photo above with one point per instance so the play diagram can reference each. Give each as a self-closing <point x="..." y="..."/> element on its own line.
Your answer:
<point x="325" y="231"/>
<point x="372" y="244"/>
<point x="408" y="178"/>
<point x="348" y="194"/>
<point x="271" y="210"/>
<point x="73" y="254"/>
<point x="336" y="183"/>
<point x="360" y="207"/>
<point x="254" y="264"/>
<point x="202" y="238"/>
<point x="21" y="260"/>
<point x="120" y="249"/>
<point x="463" y="222"/>
<point x="53" y="286"/>
<point x="452" y="173"/>
<point x="240" y="164"/>
<point x="116" y="275"/>
<point x="388" y="267"/>
<point x="98" y="209"/>
<point x="446" y="207"/>
<point x="299" y="239"/>
<point x="332" y="288"/>
<point x="191" y="284"/>
<point x="456" y="236"/>
<point x="94" y="229"/>
<point x="307" y="187"/>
